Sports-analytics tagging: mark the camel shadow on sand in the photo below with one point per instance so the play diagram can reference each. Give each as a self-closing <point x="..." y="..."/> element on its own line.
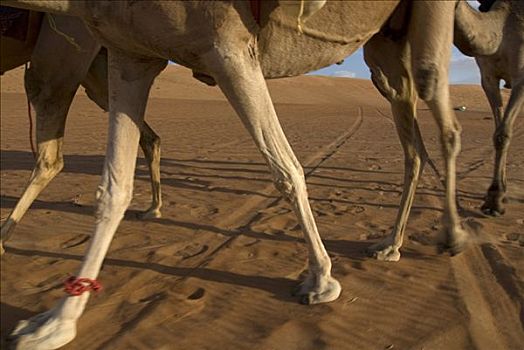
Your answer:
<point x="188" y="175"/>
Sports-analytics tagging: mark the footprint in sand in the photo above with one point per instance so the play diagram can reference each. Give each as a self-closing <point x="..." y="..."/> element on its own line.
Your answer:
<point x="357" y="209"/>
<point x="374" y="231"/>
<point x="56" y="281"/>
<point x="197" y="294"/>
<point x="330" y="209"/>
<point x="157" y="311"/>
<point x="192" y="250"/>
<point x="195" y="210"/>
<point x="370" y="236"/>
<point x="278" y="222"/>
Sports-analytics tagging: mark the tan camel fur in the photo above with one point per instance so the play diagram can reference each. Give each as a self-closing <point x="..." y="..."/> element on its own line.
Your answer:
<point x="394" y="80"/>
<point x="498" y="48"/>
<point x="221" y="41"/>
<point x="497" y="39"/>
<point x="51" y="82"/>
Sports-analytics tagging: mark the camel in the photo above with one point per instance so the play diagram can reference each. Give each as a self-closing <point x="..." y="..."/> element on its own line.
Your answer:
<point x="50" y="84"/>
<point x="223" y="43"/>
<point x="491" y="37"/>
<point x="495" y="37"/>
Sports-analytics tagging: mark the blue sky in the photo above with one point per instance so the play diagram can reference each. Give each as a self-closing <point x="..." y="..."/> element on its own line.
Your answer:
<point x="463" y="69"/>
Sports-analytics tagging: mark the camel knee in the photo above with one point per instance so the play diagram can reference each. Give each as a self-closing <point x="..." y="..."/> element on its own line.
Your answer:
<point x="451" y="141"/>
<point x="426" y="80"/>
<point x="49" y="169"/>
<point x="290" y="182"/>
<point x="413" y="161"/>
<point x="50" y="160"/>
<point x="501" y="138"/>
<point x="112" y="203"/>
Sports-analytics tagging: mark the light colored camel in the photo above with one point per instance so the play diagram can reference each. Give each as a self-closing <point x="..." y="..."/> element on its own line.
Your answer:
<point x="51" y="82"/>
<point x="221" y="41"/>
<point x="496" y="39"/>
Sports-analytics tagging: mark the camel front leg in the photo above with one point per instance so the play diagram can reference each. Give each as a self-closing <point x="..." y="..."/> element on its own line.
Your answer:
<point x="430" y="37"/>
<point x="238" y="74"/>
<point x="490" y="85"/>
<point x="150" y="144"/>
<point x="130" y="80"/>
<point x="95" y="83"/>
<point x="501" y="138"/>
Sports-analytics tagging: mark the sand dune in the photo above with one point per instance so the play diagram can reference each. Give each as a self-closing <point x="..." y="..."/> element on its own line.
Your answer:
<point x="217" y="270"/>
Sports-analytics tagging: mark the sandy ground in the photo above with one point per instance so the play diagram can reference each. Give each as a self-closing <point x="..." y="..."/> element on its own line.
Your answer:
<point x="217" y="270"/>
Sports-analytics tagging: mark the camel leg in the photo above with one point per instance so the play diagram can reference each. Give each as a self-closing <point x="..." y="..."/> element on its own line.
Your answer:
<point x="130" y="80"/>
<point x="490" y="85"/>
<point x="95" y="83"/>
<point x="150" y="144"/>
<point x="431" y="50"/>
<point x="501" y="138"/>
<point x="392" y="78"/>
<point x="403" y="114"/>
<point x="50" y="86"/>
<point x="237" y="72"/>
<point x="51" y="112"/>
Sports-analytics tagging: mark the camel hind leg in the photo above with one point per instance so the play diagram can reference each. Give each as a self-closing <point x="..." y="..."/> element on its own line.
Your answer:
<point x="391" y="76"/>
<point x="501" y="138"/>
<point x="237" y="72"/>
<point x="49" y="160"/>
<point x="150" y="144"/>
<point x="430" y="36"/>
<point x="50" y="86"/>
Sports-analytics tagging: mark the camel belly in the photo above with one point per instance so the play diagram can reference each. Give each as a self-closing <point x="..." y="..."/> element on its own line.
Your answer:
<point x="184" y="31"/>
<point x="329" y="36"/>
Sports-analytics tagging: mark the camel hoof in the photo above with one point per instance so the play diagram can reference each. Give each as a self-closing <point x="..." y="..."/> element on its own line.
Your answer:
<point x="451" y="249"/>
<point x="384" y="251"/>
<point x="315" y="293"/>
<point x="2" y="250"/>
<point x="492" y="209"/>
<point x="150" y="214"/>
<point x="455" y="244"/>
<point x="44" y="331"/>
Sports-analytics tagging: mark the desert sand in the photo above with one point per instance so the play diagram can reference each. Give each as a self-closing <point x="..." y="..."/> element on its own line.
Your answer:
<point x="217" y="271"/>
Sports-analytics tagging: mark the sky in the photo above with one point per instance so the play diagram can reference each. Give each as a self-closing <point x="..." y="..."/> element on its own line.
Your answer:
<point x="462" y="69"/>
